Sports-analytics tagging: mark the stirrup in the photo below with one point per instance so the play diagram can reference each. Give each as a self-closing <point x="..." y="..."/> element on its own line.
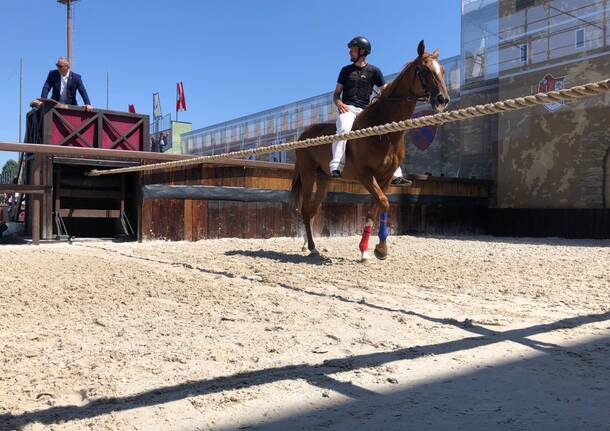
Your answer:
<point x="401" y="181"/>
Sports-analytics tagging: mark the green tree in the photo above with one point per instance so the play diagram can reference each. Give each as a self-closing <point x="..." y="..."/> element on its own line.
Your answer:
<point x="10" y="168"/>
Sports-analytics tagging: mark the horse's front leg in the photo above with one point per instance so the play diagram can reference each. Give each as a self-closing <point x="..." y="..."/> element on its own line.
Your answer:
<point x="380" y="205"/>
<point x="364" y="241"/>
<point x="381" y="249"/>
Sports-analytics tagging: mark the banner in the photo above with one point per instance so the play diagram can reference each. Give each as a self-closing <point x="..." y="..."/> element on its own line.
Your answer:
<point x="180" y="99"/>
<point x="156" y="106"/>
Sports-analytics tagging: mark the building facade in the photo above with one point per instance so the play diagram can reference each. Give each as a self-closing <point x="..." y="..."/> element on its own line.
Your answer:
<point x="555" y="156"/>
<point x="285" y="123"/>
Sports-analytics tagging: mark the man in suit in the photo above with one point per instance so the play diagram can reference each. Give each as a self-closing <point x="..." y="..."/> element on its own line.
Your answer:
<point x="64" y="83"/>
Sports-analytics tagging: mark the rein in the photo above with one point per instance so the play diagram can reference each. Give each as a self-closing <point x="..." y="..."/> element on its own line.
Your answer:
<point x="424" y="98"/>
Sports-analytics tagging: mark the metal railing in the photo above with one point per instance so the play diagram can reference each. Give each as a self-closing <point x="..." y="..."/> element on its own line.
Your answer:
<point x="162" y="124"/>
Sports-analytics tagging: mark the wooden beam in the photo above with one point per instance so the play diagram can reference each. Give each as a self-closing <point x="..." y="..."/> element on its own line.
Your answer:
<point x="165" y="157"/>
<point x="36" y="210"/>
<point x="188" y="220"/>
<point x="47" y="200"/>
<point x="86" y="161"/>
<point x="122" y="193"/>
<point x="57" y="150"/>
<point x="140" y="203"/>
<point x="130" y="155"/>
<point x="84" y="213"/>
<point x="90" y="194"/>
<point x="23" y="188"/>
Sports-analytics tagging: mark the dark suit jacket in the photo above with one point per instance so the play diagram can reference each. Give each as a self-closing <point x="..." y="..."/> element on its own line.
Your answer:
<point x="75" y="82"/>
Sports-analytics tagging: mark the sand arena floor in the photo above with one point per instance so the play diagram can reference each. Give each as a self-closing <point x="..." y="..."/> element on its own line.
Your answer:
<point x="473" y="333"/>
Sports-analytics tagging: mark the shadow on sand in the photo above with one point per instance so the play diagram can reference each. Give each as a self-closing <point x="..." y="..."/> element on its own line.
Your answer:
<point x="560" y="388"/>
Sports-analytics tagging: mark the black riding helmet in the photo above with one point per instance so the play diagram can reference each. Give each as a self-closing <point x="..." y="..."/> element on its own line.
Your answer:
<point x="362" y="43"/>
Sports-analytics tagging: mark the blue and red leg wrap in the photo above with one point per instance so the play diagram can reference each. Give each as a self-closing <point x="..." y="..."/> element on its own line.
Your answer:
<point x="383" y="226"/>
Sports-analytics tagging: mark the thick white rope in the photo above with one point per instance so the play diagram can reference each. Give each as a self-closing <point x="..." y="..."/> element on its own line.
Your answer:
<point x="567" y="94"/>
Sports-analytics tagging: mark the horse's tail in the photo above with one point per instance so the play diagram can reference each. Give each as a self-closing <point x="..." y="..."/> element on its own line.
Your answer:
<point x="295" y="200"/>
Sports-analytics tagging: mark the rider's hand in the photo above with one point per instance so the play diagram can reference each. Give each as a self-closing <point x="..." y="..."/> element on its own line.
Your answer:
<point x="342" y="107"/>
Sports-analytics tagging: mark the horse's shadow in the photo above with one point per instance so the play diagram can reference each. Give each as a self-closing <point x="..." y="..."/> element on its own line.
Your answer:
<point x="311" y="259"/>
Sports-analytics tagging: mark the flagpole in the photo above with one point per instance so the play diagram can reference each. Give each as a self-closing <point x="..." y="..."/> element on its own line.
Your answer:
<point x="20" y="94"/>
<point x="155" y="118"/>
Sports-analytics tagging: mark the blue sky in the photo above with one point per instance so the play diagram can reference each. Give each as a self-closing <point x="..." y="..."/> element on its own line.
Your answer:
<point x="235" y="57"/>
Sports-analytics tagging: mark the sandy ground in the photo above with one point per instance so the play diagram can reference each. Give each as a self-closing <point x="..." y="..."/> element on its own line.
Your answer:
<point x="448" y="333"/>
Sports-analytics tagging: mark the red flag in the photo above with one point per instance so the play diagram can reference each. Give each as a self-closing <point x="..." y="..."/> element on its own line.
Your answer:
<point x="180" y="99"/>
<point x="132" y="109"/>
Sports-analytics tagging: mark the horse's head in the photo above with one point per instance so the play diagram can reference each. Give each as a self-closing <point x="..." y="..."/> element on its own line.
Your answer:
<point x="422" y="80"/>
<point x="430" y="78"/>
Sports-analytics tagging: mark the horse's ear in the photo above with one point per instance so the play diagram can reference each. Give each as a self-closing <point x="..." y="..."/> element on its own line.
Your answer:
<point x="421" y="48"/>
<point x="436" y="53"/>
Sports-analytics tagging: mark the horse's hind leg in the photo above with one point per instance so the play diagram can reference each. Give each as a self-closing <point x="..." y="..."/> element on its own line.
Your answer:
<point x="321" y="188"/>
<point x="308" y="180"/>
<point x="314" y="206"/>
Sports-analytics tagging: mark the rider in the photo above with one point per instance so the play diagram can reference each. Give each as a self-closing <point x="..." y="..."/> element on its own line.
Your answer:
<point x="352" y="95"/>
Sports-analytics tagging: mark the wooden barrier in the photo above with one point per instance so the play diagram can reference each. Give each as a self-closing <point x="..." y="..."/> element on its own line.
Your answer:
<point x="230" y="198"/>
<point x="251" y="202"/>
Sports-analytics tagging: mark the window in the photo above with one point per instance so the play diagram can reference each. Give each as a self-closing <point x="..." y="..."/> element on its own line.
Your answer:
<point x="523" y="49"/>
<point x="523" y="4"/>
<point x="580" y="38"/>
<point x="292" y="119"/>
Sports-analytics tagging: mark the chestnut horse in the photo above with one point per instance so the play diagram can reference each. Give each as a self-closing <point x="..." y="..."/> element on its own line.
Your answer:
<point x="371" y="160"/>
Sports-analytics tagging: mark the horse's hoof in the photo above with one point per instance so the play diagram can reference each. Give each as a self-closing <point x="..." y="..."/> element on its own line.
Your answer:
<point x="314" y="252"/>
<point x="365" y="256"/>
<point x="381" y="254"/>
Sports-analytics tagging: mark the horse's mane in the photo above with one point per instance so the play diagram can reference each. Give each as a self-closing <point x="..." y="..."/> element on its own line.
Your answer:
<point x="390" y="87"/>
<point x="395" y="82"/>
<point x="386" y="91"/>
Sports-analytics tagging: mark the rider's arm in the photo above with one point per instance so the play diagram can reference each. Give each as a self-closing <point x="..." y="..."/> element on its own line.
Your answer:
<point x="337" y="93"/>
<point x="337" y="99"/>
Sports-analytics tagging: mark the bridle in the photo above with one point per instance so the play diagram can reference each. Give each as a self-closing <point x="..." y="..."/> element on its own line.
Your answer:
<point x="426" y="97"/>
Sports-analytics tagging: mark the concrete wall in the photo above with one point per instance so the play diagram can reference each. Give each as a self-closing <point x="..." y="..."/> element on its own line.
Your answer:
<point x="555" y="159"/>
<point x="479" y="136"/>
<point x="178" y="128"/>
<point x="441" y="157"/>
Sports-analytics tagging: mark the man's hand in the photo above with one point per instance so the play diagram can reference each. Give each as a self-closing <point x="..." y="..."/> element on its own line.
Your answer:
<point x="342" y="107"/>
<point x="88" y="108"/>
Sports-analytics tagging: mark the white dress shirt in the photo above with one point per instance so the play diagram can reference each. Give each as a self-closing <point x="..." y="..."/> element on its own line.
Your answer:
<point x="63" y="92"/>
